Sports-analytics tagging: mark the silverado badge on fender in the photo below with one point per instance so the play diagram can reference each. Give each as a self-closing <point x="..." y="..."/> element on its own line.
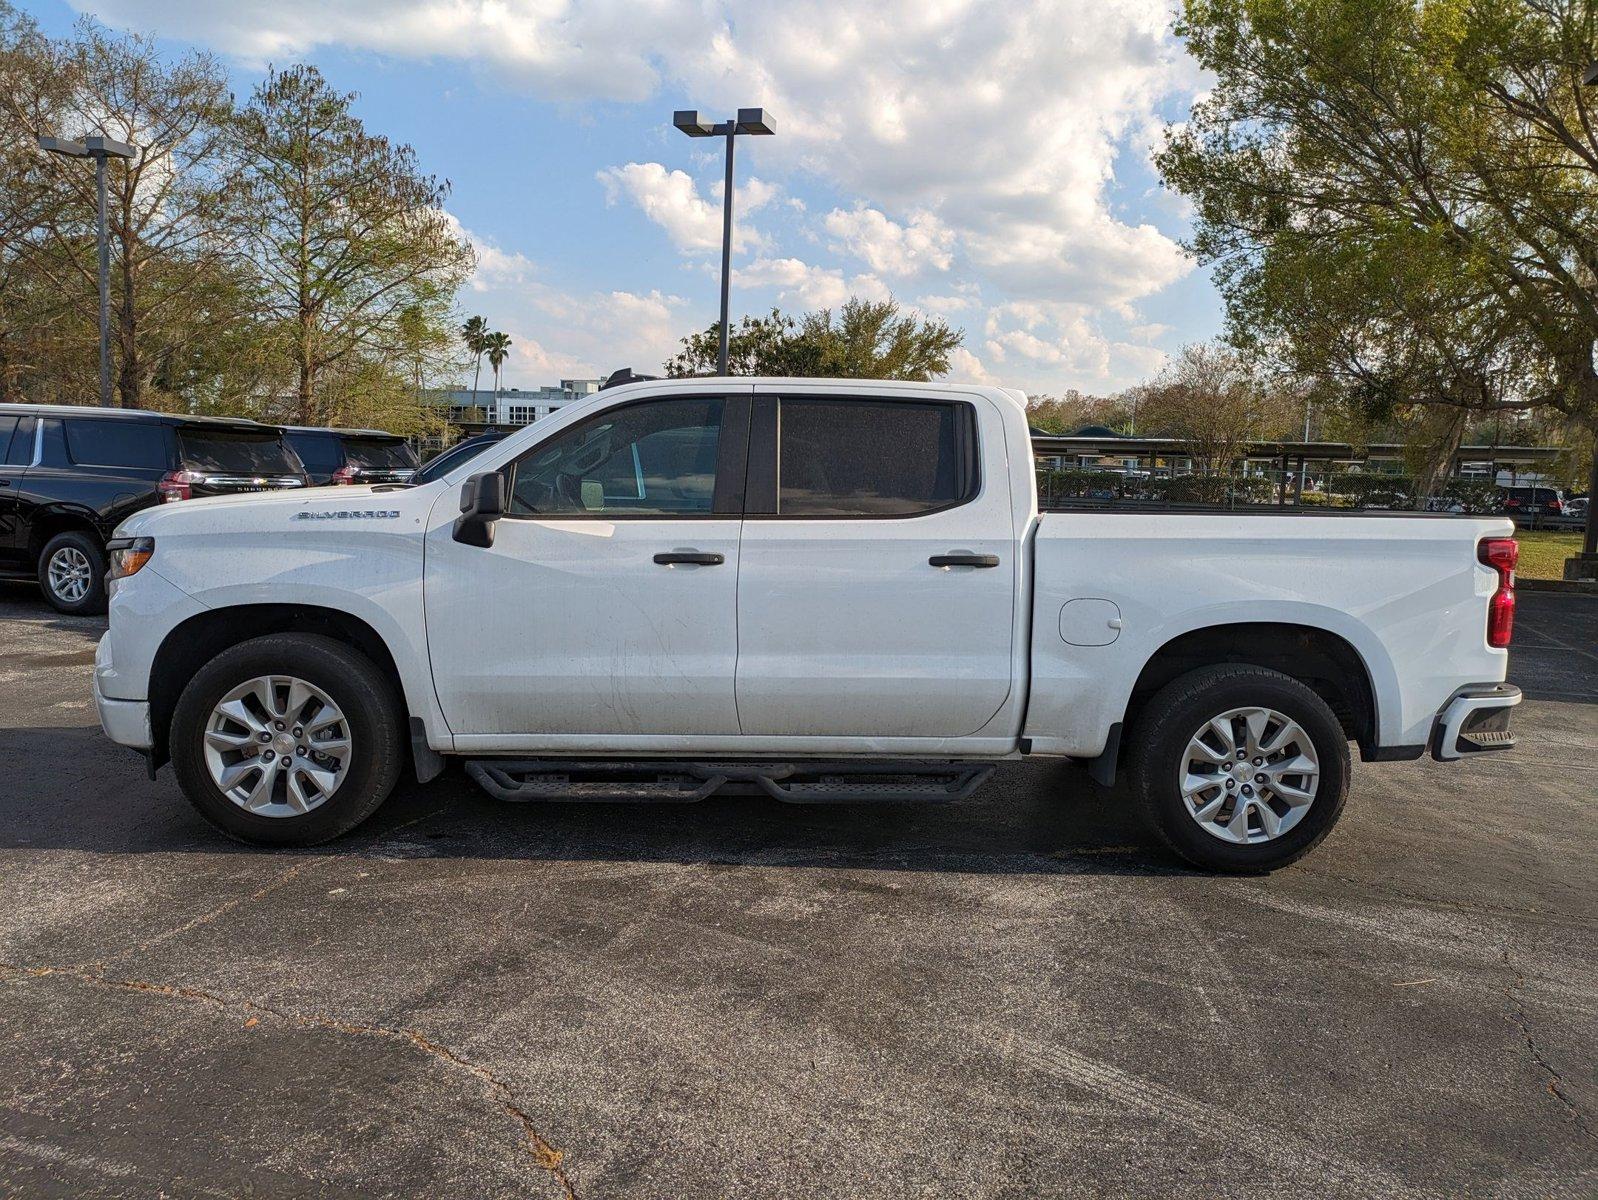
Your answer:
<point x="359" y="514"/>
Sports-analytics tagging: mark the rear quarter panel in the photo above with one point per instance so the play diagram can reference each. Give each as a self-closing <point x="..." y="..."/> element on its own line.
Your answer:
<point x="1406" y="592"/>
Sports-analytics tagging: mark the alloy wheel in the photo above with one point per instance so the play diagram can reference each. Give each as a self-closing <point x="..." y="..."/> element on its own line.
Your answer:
<point x="70" y="574"/>
<point x="1249" y="775"/>
<point x="277" y="746"/>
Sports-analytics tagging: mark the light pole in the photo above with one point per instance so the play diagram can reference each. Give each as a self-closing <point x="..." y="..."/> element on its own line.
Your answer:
<point x="748" y="120"/>
<point x="98" y="148"/>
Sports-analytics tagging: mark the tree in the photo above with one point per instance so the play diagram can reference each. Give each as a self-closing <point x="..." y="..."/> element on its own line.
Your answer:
<point x="868" y="340"/>
<point x="1214" y="404"/>
<point x="497" y="346"/>
<point x="1457" y="129"/>
<point x="28" y="204"/>
<point x="475" y="333"/>
<point x="1067" y="413"/>
<point x="345" y="230"/>
<point x="171" y="239"/>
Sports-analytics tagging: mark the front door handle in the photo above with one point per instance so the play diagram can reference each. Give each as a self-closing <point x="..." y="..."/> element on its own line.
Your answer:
<point x="964" y="560"/>
<point x="694" y="557"/>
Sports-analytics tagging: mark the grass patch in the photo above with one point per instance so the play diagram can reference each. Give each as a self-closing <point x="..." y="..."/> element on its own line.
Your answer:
<point x="1543" y="552"/>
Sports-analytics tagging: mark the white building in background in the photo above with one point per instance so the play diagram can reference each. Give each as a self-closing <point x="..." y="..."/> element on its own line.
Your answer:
<point x="517" y="406"/>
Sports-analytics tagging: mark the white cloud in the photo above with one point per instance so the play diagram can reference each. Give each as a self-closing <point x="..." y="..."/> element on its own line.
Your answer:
<point x="495" y="267"/>
<point x="969" y="137"/>
<point x="812" y="286"/>
<point x="671" y="200"/>
<point x="890" y="248"/>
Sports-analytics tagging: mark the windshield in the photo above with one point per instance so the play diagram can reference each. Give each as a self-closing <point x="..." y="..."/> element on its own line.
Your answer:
<point x="446" y="462"/>
<point x="379" y="454"/>
<point x="243" y="451"/>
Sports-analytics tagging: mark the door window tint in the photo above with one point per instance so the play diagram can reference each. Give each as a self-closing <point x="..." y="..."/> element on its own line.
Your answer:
<point x="863" y="458"/>
<point x="648" y="459"/>
<point x="137" y="444"/>
<point x="8" y="426"/>
<point x="21" y="451"/>
<point x="320" y="452"/>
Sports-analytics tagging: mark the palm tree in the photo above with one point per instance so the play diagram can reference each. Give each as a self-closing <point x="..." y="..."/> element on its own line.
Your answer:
<point x="475" y="333"/>
<point x="497" y="346"/>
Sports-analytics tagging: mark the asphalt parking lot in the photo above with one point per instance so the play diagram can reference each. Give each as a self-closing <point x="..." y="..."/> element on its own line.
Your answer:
<point x="1015" y="996"/>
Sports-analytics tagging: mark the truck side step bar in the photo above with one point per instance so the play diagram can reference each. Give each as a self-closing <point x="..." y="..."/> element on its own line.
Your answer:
<point x="675" y="782"/>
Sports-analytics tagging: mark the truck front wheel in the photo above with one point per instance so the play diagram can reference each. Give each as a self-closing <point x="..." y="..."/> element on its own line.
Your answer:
<point x="287" y="740"/>
<point x="1240" y="768"/>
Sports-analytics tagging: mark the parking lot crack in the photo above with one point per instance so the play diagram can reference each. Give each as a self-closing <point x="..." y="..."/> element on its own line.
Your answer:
<point x="543" y="1154"/>
<point x="1556" y="1081"/>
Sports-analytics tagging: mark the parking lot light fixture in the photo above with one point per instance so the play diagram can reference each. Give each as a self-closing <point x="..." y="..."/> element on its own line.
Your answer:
<point x="749" y="121"/>
<point x="98" y="147"/>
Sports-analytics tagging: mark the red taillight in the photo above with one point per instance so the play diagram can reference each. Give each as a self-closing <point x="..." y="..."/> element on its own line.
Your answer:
<point x="1501" y="554"/>
<point x="345" y="474"/>
<point x="178" y="485"/>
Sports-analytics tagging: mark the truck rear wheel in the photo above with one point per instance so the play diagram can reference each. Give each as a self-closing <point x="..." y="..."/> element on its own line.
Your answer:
<point x="287" y="740"/>
<point x="1240" y="768"/>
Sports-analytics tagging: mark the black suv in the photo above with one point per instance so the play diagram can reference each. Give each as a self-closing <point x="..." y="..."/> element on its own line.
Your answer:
<point x="68" y="475"/>
<point x="352" y="455"/>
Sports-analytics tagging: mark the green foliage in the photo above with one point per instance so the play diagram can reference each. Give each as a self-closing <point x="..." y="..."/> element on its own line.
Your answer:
<point x="1368" y="489"/>
<point x="278" y="262"/>
<point x="1398" y="199"/>
<point x="869" y="339"/>
<point x="1474" y="495"/>
<point x="347" y="232"/>
<point x="1073" y="483"/>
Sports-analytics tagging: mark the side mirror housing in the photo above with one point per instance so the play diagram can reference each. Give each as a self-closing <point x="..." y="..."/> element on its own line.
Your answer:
<point x="482" y="505"/>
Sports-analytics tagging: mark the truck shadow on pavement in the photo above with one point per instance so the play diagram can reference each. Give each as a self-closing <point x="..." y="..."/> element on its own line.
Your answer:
<point x="75" y="791"/>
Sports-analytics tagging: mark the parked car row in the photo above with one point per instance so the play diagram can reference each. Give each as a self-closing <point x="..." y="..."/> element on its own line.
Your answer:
<point x="69" y="475"/>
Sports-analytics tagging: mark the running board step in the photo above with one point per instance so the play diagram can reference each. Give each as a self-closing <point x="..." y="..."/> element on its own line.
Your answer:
<point x="675" y="782"/>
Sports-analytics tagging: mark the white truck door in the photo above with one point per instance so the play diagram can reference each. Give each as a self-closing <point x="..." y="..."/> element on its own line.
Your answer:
<point x="607" y="602"/>
<point x="877" y="574"/>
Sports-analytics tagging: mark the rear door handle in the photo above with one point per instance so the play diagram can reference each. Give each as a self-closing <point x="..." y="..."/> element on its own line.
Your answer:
<point x="695" y="557"/>
<point x="964" y="560"/>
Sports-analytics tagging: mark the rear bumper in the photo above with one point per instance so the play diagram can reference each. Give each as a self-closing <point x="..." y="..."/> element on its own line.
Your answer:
<point x="1475" y="721"/>
<point x="126" y="722"/>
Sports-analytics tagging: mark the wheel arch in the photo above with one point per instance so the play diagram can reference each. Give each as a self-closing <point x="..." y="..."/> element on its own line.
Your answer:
<point x="1324" y="661"/>
<point x="194" y="642"/>
<point x="53" y="521"/>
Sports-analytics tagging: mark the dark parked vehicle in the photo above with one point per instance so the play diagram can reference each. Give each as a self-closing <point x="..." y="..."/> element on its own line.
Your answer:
<point x="333" y="456"/>
<point x="68" y="475"/>
<point x="446" y="461"/>
<point x="1533" y="502"/>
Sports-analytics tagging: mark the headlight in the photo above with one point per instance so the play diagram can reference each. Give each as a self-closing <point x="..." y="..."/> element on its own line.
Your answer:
<point x="128" y="555"/>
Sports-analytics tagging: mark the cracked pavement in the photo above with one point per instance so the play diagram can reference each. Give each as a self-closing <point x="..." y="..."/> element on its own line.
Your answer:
<point x="1013" y="996"/>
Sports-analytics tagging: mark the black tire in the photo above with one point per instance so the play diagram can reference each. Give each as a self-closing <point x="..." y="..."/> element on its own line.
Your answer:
<point x="370" y="705"/>
<point x="1176" y="713"/>
<point x="93" y="599"/>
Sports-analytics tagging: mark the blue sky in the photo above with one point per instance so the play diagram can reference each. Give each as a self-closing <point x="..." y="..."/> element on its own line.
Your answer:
<point x="982" y="160"/>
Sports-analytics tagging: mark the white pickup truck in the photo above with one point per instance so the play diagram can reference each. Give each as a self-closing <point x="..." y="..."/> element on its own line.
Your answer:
<point x="812" y="590"/>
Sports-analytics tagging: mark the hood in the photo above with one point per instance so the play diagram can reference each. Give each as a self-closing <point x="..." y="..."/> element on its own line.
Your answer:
<point x="285" y="511"/>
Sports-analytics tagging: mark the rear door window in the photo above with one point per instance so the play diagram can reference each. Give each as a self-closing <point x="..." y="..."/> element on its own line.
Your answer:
<point x="379" y="454"/>
<point x="8" y="426"/>
<point x="874" y="458"/>
<point x="132" y="445"/>
<point x="241" y="452"/>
